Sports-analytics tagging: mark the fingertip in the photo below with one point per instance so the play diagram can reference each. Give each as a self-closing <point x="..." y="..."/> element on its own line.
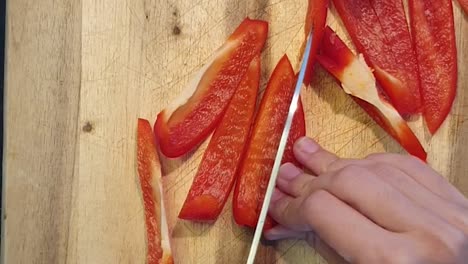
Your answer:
<point x="306" y="145"/>
<point x="281" y="232"/>
<point x="277" y="195"/>
<point x="310" y="154"/>
<point x="287" y="212"/>
<point x="270" y="234"/>
<point x="289" y="171"/>
<point x="278" y="202"/>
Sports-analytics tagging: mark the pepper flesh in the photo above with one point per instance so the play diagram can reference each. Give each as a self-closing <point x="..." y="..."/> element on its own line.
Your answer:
<point x="392" y="19"/>
<point x="357" y="80"/>
<point x="257" y="163"/>
<point x="298" y="130"/>
<point x="432" y="26"/>
<point x="379" y="31"/>
<point x="464" y="5"/>
<point x="149" y="172"/>
<point x="315" y="21"/>
<point x="192" y="117"/>
<point x="216" y="174"/>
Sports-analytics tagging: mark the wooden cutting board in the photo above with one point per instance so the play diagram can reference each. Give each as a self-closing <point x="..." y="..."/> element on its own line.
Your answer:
<point x="80" y="73"/>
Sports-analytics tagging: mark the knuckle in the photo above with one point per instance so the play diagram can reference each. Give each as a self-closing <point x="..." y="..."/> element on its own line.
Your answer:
<point x="461" y="216"/>
<point x="314" y="203"/>
<point x="396" y="251"/>
<point x="301" y="184"/>
<point x="380" y="169"/>
<point x="336" y="180"/>
<point x="280" y="208"/>
<point x="353" y="169"/>
<point x="445" y="243"/>
<point x="339" y="164"/>
<point x="348" y="175"/>
<point x="389" y="173"/>
<point x="456" y="244"/>
<point x="342" y="163"/>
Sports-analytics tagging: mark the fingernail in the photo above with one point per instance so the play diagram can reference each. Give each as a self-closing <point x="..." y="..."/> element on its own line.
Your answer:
<point x="307" y="145"/>
<point x="288" y="171"/>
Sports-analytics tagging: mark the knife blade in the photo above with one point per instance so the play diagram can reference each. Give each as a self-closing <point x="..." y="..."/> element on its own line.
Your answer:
<point x="279" y="154"/>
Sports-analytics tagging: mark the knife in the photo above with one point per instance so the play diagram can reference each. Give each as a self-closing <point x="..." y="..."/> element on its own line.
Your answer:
<point x="279" y="154"/>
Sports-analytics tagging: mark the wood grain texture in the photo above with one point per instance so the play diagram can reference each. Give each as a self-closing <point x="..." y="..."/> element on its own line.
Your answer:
<point x="42" y="96"/>
<point x="80" y="73"/>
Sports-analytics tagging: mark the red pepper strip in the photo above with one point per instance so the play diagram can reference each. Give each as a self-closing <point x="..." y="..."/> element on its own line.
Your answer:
<point x="464" y="5"/>
<point x="402" y="134"/>
<point x="433" y="30"/>
<point x="298" y="130"/>
<point x="149" y="171"/>
<point x="257" y="163"/>
<point x="315" y="20"/>
<point x="357" y="80"/>
<point x="392" y="18"/>
<point x="384" y="42"/>
<point x="216" y="173"/>
<point x="190" y="119"/>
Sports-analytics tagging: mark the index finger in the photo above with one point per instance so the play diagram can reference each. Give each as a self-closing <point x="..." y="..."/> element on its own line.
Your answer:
<point x="336" y="223"/>
<point x="310" y="154"/>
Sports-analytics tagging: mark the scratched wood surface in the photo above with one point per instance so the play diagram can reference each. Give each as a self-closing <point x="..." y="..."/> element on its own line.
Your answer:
<point x="79" y="73"/>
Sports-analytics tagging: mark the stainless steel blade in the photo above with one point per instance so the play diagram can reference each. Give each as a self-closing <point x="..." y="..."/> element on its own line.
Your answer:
<point x="279" y="154"/>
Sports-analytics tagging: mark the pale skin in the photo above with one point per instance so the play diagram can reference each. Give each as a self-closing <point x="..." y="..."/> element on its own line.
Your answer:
<point x="386" y="208"/>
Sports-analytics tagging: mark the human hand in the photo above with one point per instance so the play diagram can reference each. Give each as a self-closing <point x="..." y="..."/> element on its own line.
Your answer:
<point x="386" y="208"/>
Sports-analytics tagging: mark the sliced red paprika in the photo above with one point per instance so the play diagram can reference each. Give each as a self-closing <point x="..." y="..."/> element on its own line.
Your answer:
<point x="392" y="18"/>
<point x="216" y="174"/>
<point x="433" y="32"/>
<point x="379" y="31"/>
<point x="357" y="80"/>
<point x="191" y="118"/>
<point x="149" y="171"/>
<point x="257" y="163"/>
<point x="298" y="130"/>
<point x="464" y="5"/>
<point x="315" y="21"/>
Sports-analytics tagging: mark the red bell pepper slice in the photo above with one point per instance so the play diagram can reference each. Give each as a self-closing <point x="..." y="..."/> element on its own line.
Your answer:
<point x="432" y="25"/>
<point x="298" y="130"/>
<point x="379" y="30"/>
<point x="464" y="5"/>
<point x="191" y="118"/>
<point x="149" y="171"/>
<point x="357" y="80"/>
<point x="257" y="163"/>
<point x="392" y="18"/>
<point x="315" y="20"/>
<point x="216" y="173"/>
